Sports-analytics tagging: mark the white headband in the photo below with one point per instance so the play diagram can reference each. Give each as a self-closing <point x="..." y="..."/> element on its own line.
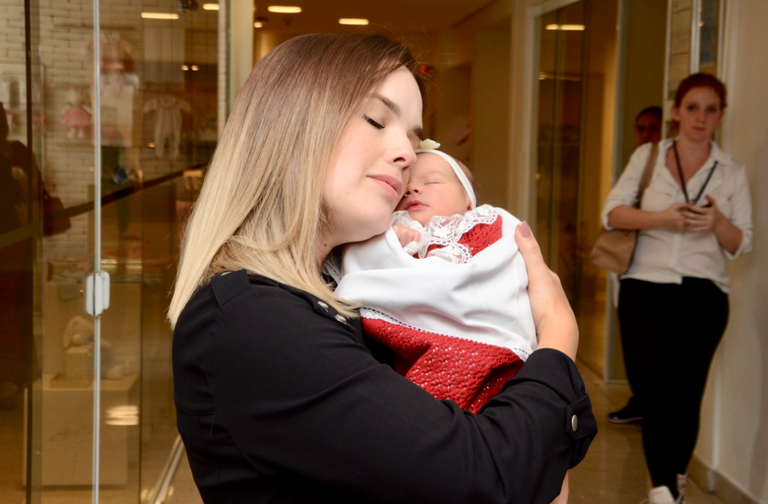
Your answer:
<point x="430" y="147"/>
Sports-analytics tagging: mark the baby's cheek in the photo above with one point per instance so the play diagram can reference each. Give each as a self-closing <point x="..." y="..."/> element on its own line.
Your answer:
<point x="422" y="216"/>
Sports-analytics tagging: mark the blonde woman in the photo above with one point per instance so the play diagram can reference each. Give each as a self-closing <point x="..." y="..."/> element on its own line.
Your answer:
<point x="279" y="396"/>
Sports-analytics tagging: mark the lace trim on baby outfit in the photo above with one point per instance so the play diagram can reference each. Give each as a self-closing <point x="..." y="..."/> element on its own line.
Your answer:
<point x="446" y="233"/>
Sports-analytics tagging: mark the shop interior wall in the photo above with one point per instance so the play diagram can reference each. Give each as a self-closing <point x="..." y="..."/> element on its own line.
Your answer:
<point x="65" y="35"/>
<point x="736" y="404"/>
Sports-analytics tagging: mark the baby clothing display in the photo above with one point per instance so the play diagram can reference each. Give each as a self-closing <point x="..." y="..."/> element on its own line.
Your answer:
<point x="168" y="122"/>
<point x="77" y="116"/>
<point x="453" y="307"/>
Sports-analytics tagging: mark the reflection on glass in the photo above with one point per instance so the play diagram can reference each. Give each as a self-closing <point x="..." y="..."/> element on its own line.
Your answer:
<point x="574" y="160"/>
<point x="158" y="130"/>
<point x="709" y="33"/>
<point x="679" y="44"/>
<point x="560" y="88"/>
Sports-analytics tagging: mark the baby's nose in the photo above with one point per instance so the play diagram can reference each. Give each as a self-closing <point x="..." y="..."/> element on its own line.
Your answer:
<point x="412" y="189"/>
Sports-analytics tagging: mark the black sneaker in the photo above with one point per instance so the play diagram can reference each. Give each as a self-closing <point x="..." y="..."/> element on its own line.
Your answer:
<point x="624" y="415"/>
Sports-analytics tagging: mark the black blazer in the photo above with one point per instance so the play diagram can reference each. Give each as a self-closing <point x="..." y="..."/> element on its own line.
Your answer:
<point x="280" y="400"/>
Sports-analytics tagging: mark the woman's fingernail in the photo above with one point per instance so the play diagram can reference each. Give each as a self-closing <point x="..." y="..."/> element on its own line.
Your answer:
<point x="525" y="230"/>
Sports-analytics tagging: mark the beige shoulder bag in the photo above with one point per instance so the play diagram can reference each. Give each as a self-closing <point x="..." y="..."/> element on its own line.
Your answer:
<point x="613" y="249"/>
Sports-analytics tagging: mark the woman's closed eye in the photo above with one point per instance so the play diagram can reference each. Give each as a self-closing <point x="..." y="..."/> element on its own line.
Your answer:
<point x="373" y="123"/>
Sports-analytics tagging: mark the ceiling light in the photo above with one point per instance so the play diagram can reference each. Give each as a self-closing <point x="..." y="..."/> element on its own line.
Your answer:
<point x="258" y="24"/>
<point x="284" y="9"/>
<point x="159" y="15"/>
<point x="566" y="27"/>
<point x="184" y="67"/>
<point x="211" y="6"/>
<point x="353" y="21"/>
<point x="194" y="68"/>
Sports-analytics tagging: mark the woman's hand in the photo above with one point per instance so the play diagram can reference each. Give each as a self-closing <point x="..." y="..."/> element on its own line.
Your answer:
<point x="405" y="234"/>
<point x="703" y="218"/>
<point x="709" y="218"/>
<point x="675" y="217"/>
<point x="555" y="322"/>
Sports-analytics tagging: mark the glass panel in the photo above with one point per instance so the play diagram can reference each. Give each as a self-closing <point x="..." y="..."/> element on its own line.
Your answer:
<point x="548" y="57"/>
<point x="20" y="395"/>
<point x="597" y="127"/>
<point x="159" y="82"/>
<point x="576" y="90"/>
<point x="67" y="161"/>
<point x="709" y="36"/>
<point x="154" y="146"/>
<point x="560" y="89"/>
<point x="679" y="44"/>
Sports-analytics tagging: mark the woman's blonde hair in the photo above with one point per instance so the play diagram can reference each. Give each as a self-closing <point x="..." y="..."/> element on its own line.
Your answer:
<point x="261" y="206"/>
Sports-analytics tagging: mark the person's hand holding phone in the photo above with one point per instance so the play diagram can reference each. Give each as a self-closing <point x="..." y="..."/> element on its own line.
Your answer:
<point x="703" y="218"/>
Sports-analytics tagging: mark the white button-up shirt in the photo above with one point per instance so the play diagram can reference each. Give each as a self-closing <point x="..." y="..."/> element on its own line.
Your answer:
<point x="663" y="255"/>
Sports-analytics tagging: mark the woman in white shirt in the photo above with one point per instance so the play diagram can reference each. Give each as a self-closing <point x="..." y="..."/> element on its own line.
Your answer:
<point x="673" y="302"/>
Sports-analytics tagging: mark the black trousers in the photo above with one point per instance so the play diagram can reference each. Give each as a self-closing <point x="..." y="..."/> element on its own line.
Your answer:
<point x="670" y="333"/>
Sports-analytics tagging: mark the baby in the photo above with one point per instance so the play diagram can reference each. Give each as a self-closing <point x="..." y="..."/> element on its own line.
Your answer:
<point x="445" y="288"/>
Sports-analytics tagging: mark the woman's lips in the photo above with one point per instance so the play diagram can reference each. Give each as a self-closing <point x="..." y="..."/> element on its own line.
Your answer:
<point x="390" y="184"/>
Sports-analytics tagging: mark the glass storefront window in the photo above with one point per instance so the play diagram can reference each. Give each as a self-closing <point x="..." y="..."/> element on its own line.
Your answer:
<point x="157" y="92"/>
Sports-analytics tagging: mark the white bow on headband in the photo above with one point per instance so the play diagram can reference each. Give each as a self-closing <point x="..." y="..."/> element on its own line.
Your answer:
<point x="430" y="146"/>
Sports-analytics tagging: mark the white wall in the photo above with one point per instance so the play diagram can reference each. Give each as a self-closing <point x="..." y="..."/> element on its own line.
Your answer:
<point x="736" y="445"/>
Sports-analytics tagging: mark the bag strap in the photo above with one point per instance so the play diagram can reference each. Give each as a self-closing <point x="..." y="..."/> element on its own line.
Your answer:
<point x="645" y="180"/>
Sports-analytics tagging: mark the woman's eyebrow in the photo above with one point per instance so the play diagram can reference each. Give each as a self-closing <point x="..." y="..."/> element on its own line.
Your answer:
<point x="394" y="107"/>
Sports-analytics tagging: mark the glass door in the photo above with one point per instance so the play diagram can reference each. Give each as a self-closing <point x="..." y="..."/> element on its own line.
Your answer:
<point x="576" y="95"/>
<point x="109" y="117"/>
<point x="559" y="141"/>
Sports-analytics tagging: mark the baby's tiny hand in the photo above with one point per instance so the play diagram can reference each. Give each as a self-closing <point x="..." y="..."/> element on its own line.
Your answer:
<point x="405" y="234"/>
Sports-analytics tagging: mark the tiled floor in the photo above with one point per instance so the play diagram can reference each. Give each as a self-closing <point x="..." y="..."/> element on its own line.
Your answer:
<point x="614" y="470"/>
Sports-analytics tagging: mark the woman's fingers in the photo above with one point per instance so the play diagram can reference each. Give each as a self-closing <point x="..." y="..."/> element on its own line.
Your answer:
<point x="555" y="323"/>
<point x="700" y="218"/>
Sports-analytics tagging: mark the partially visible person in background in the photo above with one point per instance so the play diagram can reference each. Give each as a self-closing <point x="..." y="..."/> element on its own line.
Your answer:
<point x="647" y="129"/>
<point x="17" y="164"/>
<point x="673" y="302"/>
<point x="648" y="125"/>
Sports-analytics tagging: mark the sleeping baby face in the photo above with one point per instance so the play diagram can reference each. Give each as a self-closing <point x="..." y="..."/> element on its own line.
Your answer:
<point x="433" y="189"/>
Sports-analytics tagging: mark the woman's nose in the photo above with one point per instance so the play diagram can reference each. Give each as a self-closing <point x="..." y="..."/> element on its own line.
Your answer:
<point x="403" y="154"/>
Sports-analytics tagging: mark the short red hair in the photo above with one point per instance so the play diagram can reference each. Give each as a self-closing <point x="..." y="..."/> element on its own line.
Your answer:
<point x="700" y="80"/>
